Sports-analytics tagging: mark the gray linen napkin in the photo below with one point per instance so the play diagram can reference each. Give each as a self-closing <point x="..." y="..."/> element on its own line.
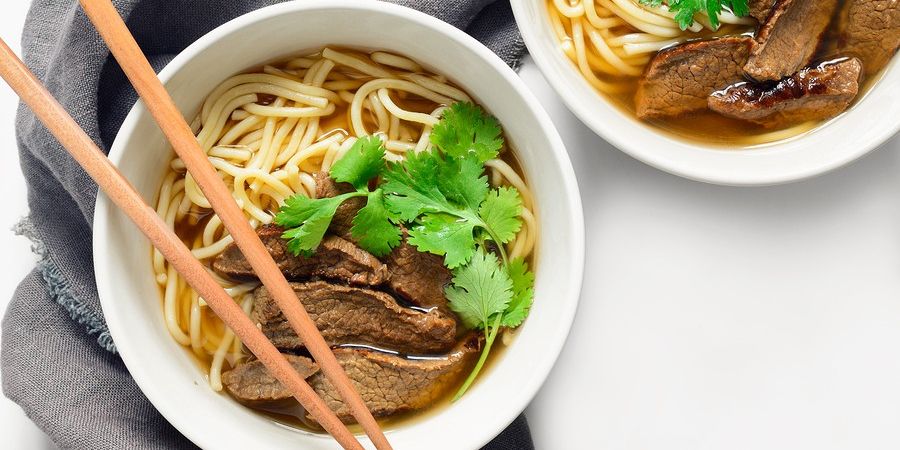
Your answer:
<point x="58" y="359"/>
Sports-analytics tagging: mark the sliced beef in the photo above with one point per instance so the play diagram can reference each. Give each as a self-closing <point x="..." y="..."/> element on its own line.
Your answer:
<point x="350" y="315"/>
<point x="388" y="383"/>
<point x="343" y="218"/>
<point x="252" y="385"/>
<point x="789" y="37"/>
<point x="871" y="32"/>
<point x="335" y="258"/>
<point x="418" y="277"/>
<point x="678" y="80"/>
<point x="760" y="9"/>
<point x="815" y="93"/>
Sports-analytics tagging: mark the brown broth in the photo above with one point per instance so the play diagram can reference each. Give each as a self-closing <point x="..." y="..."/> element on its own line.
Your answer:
<point x="702" y="126"/>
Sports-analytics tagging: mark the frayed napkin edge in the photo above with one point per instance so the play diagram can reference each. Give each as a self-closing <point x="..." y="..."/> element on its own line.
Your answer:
<point x="60" y="289"/>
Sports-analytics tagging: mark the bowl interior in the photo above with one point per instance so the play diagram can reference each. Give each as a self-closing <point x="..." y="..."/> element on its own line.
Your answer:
<point x="870" y="122"/>
<point x="131" y="299"/>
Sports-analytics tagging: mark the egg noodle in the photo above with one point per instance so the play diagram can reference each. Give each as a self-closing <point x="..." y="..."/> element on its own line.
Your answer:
<point x="267" y="133"/>
<point x="614" y="39"/>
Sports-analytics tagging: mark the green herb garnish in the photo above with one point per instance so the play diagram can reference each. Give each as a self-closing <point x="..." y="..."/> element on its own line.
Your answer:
<point x="685" y="9"/>
<point x="488" y="296"/>
<point x="443" y="198"/>
<point x="463" y="129"/>
<point x="306" y="220"/>
<point x="450" y="206"/>
<point x="523" y="293"/>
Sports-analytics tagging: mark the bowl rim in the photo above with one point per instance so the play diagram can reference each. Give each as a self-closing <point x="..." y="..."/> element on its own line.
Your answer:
<point x="128" y="348"/>
<point x="773" y="167"/>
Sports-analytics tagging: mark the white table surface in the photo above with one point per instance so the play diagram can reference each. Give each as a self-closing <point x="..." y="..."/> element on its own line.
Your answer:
<point x="711" y="317"/>
<point x="16" y="260"/>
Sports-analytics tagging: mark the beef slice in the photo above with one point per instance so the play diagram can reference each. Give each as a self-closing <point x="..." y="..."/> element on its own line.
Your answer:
<point x="871" y="32"/>
<point x="388" y="383"/>
<point x="352" y="315"/>
<point x="788" y="38"/>
<point x="335" y="258"/>
<point x="815" y="93"/>
<point x="678" y="80"/>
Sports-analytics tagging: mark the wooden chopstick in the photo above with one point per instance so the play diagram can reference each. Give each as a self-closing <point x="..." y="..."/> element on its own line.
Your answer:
<point x="157" y="100"/>
<point x="120" y="191"/>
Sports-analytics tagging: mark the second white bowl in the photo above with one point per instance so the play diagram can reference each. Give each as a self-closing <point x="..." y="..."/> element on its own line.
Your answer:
<point x="868" y="124"/>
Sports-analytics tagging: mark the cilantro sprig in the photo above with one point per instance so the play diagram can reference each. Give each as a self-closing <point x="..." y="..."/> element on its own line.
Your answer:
<point x="464" y="128"/>
<point x="685" y="9"/>
<point x="306" y="220"/>
<point x="443" y="198"/>
<point x="451" y="207"/>
<point x="489" y="296"/>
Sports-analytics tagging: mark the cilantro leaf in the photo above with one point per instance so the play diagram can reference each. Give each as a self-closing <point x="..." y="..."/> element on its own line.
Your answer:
<point x="361" y="163"/>
<point x="413" y="186"/>
<point x="306" y="220"/>
<point x="523" y="293"/>
<point x="500" y="212"/>
<point x="428" y="181"/>
<point x="685" y="9"/>
<point x="466" y="128"/>
<point x="713" y="8"/>
<point x="488" y="296"/>
<point x="445" y="235"/>
<point x="462" y="181"/>
<point x="372" y="226"/>
<point x="480" y="290"/>
<point x="684" y="15"/>
<point x="740" y="8"/>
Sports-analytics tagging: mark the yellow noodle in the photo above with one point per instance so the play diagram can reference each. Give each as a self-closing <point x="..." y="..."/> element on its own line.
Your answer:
<point x="610" y="56"/>
<point x="194" y="327"/>
<point x="584" y="66"/>
<point x="281" y="73"/>
<point x="311" y="93"/>
<point x="403" y="114"/>
<point x="238" y="153"/>
<point x="381" y="114"/>
<point x="288" y="111"/>
<point x="389" y="59"/>
<point x="300" y="63"/>
<point x="356" y="122"/>
<point x="571" y="10"/>
<point x="437" y="86"/>
<point x="365" y="67"/>
<point x="170" y="302"/>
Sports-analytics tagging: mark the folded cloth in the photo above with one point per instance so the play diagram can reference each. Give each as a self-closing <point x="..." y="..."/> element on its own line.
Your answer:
<point x="58" y="359"/>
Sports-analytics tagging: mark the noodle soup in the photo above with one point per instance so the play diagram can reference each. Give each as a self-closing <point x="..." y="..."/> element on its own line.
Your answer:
<point x="274" y="134"/>
<point x="615" y="44"/>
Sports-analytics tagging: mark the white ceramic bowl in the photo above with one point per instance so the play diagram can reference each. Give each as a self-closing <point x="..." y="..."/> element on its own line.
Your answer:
<point x="130" y="298"/>
<point x="870" y="122"/>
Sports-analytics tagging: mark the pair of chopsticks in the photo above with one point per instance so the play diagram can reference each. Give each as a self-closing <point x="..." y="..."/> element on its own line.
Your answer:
<point x="135" y="65"/>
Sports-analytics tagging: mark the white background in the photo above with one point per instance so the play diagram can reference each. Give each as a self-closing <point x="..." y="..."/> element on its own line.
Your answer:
<point x="711" y="317"/>
<point x="16" y="259"/>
